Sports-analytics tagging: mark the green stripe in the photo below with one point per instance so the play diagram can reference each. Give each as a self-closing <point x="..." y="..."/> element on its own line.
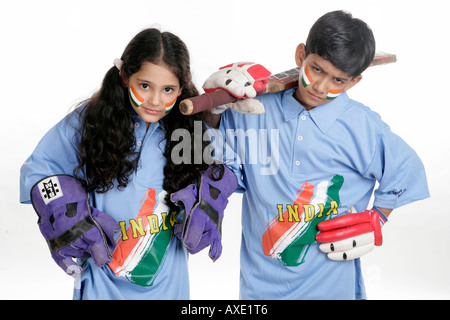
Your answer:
<point x="148" y="267"/>
<point x="132" y="99"/>
<point x="295" y="253"/>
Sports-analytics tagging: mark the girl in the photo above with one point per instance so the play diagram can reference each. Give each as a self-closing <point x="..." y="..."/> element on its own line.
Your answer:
<point x="114" y="152"/>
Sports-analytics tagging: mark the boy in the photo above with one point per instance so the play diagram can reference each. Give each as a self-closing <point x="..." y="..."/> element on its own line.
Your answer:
<point x="299" y="239"/>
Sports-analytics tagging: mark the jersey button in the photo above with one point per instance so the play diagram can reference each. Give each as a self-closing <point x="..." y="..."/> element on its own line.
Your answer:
<point x="297" y="163"/>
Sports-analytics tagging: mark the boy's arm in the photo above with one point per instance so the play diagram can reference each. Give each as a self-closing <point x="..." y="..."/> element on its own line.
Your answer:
<point x="386" y="212"/>
<point x="212" y="120"/>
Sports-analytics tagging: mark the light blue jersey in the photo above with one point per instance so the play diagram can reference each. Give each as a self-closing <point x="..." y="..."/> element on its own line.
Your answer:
<point x="300" y="167"/>
<point x="149" y="262"/>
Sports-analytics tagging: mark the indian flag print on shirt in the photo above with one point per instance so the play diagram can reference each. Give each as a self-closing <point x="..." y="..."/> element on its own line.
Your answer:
<point x="142" y="247"/>
<point x="135" y="97"/>
<point x="289" y="235"/>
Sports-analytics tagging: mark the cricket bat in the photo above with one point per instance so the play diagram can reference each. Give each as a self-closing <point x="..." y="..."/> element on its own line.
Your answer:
<point x="277" y="82"/>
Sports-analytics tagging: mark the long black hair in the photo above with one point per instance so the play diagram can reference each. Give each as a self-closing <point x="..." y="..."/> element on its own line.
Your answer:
<point x="107" y="147"/>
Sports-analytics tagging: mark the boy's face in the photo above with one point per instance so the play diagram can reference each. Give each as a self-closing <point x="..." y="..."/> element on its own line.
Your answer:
<point x="323" y="81"/>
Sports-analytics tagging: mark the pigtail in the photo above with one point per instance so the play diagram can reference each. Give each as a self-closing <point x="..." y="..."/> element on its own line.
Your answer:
<point x="107" y="138"/>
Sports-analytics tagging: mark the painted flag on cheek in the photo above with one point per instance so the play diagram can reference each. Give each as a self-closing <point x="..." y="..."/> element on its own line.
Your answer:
<point x="170" y="105"/>
<point x="135" y="97"/>
<point x="333" y="94"/>
<point x="306" y="77"/>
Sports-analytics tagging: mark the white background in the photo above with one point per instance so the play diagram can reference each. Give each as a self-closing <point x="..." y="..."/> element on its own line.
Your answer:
<point x="55" y="53"/>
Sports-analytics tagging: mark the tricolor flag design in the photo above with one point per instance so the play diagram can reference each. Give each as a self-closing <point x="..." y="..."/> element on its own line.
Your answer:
<point x="170" y="105"/>
<point x="135" y="97"/>
<point x="287" y="239"/>
<point x="333" y="94"/>
<point x="306" y="77"/>
<point x="142" y="248"/>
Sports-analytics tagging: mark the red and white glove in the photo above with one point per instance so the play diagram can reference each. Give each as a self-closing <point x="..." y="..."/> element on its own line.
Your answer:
<point x="242" y="80"/>
<point x="350" y="236"/>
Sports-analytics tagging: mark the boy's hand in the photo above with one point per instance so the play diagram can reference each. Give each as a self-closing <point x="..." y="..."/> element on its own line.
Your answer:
<point x="242" y="80"/>
<point x="351" y="236"/>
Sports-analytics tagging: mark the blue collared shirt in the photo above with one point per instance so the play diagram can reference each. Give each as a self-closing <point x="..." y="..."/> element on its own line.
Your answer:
<point x="149" y="262"/>
<point x="300" y="167"/>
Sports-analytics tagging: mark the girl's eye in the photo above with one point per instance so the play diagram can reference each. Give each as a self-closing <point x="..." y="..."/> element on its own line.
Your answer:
<point x="168" y="90"/>
<point x="145" y="86"/>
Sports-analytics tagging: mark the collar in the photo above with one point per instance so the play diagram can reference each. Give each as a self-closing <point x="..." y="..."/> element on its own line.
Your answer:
<point x="142" y="124"/>
<point x="323" y="116"/>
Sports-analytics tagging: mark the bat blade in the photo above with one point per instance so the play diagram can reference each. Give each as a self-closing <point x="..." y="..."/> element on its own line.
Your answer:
<point x="277" y="82"/>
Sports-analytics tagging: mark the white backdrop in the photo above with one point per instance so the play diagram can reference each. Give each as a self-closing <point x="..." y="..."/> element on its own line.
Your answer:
<point x="55" y="53"/>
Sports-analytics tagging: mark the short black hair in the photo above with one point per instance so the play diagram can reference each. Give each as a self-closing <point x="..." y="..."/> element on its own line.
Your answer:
<point x="348" y="43"/>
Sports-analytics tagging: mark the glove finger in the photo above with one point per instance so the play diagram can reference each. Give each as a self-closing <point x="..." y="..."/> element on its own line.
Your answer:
<point x="215" y="250"/>
<point x="177" y="230"/>
<point x="352" y="253"/>
<point x="344" y="233"/>
<point x="248" y="106"/>
<point x="108" y="224"/>
<point x="344" y="221"/>
<point x="108" y="227"/>
<point x="221" y="109"/>
<point x="194" y="229"/>
<point x="98" y="249"/>
<point x="186" y="197"/>
<point x="347" y="244"/>
<point x="67" y="264"/>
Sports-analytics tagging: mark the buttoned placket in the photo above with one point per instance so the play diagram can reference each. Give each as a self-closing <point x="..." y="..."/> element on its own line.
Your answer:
<point x="299" y="140"/>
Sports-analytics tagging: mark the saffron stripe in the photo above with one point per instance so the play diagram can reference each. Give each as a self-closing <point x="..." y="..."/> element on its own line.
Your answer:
<point x="135" y="97"/>
<point x="170" y="105"/>
<point x="306" y="77"/>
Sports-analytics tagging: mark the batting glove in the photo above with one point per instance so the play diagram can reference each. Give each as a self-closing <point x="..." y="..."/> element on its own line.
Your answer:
<point x="351" y="236"/>
<point x="242" y="80"/>
<point x="72" y="228"/>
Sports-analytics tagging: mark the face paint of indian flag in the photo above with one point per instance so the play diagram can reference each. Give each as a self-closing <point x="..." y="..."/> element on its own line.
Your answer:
<point x="135" y="97"/>
<point x="333" y="94"/>
<point x="170" y="105"/>
<point x="306" y="77"/>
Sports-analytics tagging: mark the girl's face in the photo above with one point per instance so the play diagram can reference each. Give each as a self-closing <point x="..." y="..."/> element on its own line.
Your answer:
<point x="153" y="91"/>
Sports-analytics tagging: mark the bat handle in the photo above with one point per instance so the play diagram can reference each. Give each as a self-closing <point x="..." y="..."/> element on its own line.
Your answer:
<point x="206" y="101"/>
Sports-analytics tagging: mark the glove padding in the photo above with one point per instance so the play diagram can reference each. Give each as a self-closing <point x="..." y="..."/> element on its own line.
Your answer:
<point x="203" y="210"/>
<point x="242" y="80"/>
<point x="71" y="227"/>
<point x="352" y="235"/>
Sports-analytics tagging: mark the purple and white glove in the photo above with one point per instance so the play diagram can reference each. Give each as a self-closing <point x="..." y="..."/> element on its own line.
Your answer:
<point x="203" y="210"/>
<point x="72" y="228"/>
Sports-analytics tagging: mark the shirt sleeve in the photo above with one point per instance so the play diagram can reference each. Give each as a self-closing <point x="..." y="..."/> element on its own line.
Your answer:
<point x="56" y="153"/>
<point x="229" y="156"/>
<point x="399" y="172"/>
